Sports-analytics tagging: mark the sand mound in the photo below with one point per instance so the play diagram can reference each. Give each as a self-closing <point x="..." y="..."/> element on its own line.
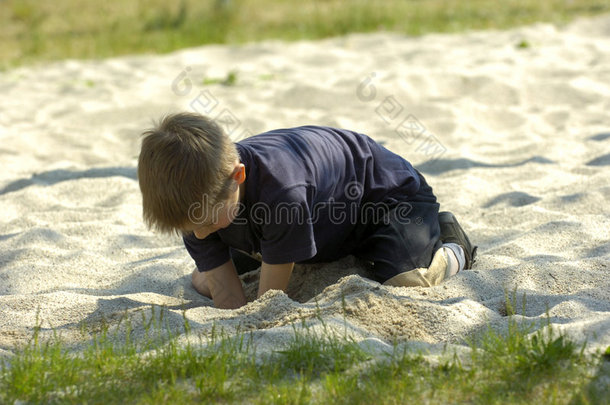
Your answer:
<point x="511" y="129"/>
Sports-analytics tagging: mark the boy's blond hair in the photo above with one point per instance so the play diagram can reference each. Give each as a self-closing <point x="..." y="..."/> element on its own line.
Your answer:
<point x="185" y="160"/>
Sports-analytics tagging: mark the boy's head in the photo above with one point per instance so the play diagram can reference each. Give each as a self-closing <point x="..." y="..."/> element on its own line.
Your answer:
<point x="186" y="160"/>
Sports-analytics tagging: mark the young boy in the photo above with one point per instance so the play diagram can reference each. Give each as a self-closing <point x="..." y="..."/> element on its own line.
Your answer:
<point x="297" y="195"/>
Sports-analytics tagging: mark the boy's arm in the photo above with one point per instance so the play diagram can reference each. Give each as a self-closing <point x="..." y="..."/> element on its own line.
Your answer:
<point x="225" y="286"/>
<point x="274" y="277"/>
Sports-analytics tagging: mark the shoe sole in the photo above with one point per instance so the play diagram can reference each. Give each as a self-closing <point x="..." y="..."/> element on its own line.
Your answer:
<point x="458" y="233"/>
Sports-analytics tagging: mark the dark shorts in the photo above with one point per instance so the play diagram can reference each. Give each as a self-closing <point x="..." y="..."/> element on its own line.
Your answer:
<point x="407" y="241"/>
<point x="404" y="240"/>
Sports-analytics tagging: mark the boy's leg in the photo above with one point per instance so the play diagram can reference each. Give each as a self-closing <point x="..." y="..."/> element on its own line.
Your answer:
<point x="429" y="276"/>
<point x="408" y="250"/>
<point x="403" y="244"/>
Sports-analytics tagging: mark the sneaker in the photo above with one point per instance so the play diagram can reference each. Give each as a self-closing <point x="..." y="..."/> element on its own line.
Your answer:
<point x="452" y="232"/>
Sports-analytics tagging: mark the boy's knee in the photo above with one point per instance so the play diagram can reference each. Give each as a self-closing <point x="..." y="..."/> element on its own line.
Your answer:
<point x="423" y="277"/>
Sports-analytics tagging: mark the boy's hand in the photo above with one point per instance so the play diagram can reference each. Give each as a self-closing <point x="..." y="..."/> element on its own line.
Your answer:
<point x="224" y="286"/>
<point x="274" y="277"/>
<point x="198" y="280"/>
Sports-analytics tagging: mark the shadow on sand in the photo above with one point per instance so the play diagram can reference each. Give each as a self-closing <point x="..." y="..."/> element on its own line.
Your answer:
<point x="57" y="176"/>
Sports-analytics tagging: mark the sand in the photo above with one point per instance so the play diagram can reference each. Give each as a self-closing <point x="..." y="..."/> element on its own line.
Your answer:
<point x="514" y="139"/>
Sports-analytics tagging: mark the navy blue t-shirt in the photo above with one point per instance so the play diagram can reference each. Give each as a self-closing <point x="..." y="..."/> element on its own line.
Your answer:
<point x="306" y="190"/>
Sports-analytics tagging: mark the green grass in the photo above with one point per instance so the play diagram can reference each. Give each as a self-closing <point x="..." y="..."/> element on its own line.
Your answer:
<point x="33" y="30"/>
<point x="518" y="367"/>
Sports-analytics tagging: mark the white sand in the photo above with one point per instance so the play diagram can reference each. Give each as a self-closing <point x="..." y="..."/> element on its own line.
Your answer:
<point x="525" y="141"/>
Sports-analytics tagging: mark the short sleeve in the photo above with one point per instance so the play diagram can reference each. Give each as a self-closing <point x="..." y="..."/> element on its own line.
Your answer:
<point x="287" y="229"/>
<point x="207" y="253"/>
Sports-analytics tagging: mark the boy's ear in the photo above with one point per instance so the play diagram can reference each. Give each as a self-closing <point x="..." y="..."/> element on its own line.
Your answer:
<point x="239" y="174"/>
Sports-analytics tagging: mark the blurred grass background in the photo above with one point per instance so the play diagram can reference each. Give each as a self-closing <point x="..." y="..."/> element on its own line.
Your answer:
<point x="38" y="30"/>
